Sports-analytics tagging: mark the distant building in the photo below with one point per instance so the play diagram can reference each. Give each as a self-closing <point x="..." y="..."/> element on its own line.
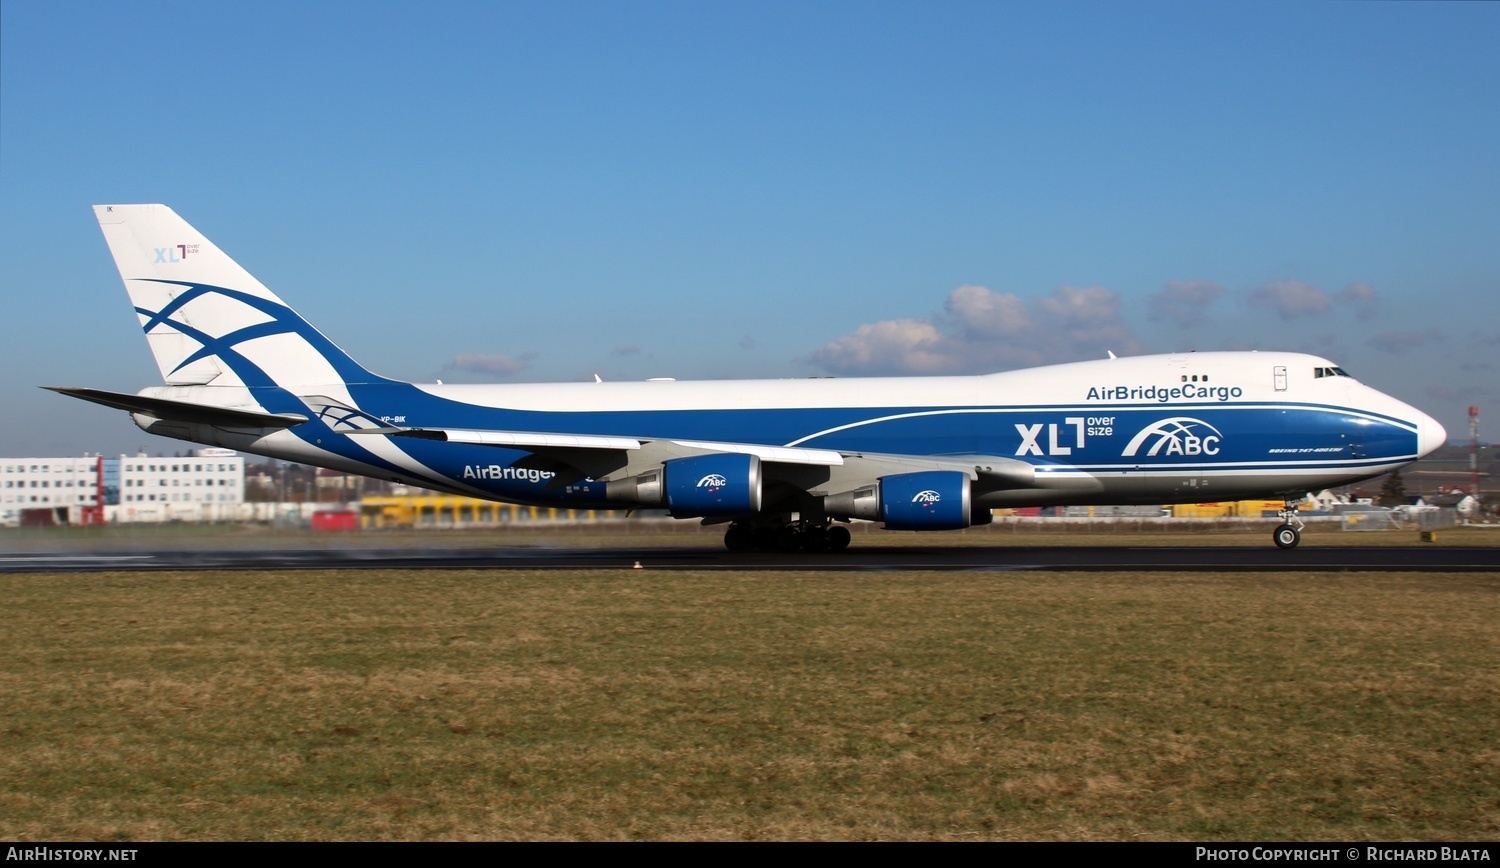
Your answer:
<point x="50" y="483"/>
<point x="1464" y="503"/>
<point x="138" y="487"/>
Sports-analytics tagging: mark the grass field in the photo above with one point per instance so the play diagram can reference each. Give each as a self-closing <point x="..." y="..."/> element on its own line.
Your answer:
<point x="749" y="705"/>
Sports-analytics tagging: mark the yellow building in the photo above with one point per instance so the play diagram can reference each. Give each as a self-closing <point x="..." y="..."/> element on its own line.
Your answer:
<point x="440" y="510"/>
<point x="1228" y="509"/>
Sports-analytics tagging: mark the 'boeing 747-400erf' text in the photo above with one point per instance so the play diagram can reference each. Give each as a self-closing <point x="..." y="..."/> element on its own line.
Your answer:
<point x="784" y="463"/>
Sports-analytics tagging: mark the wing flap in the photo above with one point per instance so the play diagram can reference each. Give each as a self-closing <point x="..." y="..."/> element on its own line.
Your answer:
<point x="773" y="454"/>
<point x="528" y="441"/>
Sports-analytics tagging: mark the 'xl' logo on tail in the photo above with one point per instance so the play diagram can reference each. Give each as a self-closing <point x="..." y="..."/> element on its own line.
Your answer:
<point x="170" y="255"/>
<point x="1179" y="435"/>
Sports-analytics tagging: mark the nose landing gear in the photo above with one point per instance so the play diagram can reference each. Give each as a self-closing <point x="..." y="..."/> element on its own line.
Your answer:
<point x="1289" y="532"/>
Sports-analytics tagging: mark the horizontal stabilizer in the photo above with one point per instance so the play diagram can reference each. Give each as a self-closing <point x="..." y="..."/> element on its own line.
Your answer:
<point x="182" y="411"/>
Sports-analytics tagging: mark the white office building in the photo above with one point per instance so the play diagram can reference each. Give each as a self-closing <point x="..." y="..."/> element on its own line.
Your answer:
<point x="205" y="485"/>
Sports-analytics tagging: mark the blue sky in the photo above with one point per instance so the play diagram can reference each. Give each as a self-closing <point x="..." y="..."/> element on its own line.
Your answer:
<point x="545" y="191"/>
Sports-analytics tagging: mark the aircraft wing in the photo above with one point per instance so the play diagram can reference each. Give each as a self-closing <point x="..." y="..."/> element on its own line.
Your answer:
<point x="994" y="473"/>
<point x="525" y="440"/>
<point x="543" y="442"/>
<point x="598" y="456"/>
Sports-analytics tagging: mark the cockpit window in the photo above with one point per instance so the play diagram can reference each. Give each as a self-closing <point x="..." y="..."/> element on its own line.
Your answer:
<point x="1329" y="372"/>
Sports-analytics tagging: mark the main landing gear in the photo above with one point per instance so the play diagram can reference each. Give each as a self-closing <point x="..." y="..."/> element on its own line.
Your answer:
<point x="1289" y="532"/>
<point x="792" y="537"/>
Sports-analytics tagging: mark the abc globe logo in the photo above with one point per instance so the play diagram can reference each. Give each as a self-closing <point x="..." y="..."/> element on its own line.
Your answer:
<point x="1180" y="435"/>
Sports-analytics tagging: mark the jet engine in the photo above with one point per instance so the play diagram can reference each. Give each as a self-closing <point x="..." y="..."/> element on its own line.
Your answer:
<point x="699" y="485"/>
<point x="926" y="500"/>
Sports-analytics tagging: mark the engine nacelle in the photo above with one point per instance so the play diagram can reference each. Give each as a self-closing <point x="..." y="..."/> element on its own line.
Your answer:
<point x="643" y="490"/>
<point x="718" y="484"/>
<point x="701" y="485"/>
<point x="928" y="500"/>
<point x="860" y="503"/>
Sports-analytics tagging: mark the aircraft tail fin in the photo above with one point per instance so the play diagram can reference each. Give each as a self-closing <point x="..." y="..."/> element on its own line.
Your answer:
<point x="209" y="321"/>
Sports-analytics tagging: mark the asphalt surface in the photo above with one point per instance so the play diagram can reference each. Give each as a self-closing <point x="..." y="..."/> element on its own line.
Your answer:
<point x="1436" y="559"/>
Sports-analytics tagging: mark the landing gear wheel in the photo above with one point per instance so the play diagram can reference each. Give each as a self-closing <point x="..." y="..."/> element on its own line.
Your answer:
<point x="739" y="538"/>
<point x="838" y="538"/>
<point x="1286" y="536"/>
<point x="814" y="539"/>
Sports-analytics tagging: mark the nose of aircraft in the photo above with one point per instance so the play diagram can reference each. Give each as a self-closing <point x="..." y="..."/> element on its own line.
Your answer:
<point x="1430" y="434"/>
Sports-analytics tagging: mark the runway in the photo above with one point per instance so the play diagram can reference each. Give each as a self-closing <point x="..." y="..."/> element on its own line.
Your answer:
<point x="996" y="558"/>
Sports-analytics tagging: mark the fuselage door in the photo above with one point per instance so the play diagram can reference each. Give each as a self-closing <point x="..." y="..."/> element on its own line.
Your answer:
<point x="1279" y="375"/>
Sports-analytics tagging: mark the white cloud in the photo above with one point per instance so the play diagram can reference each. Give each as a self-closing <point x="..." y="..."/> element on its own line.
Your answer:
<point x="1291" y="299"/>
<point x="905" y="346"/>
<point x="983" y="330"/>
<point x="1184" y="302"/>
<point x="986" y="314"/>
<point x="1089" y="319"/>
<point x="483" y="363"/>
<point x="1362" y="298"/>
